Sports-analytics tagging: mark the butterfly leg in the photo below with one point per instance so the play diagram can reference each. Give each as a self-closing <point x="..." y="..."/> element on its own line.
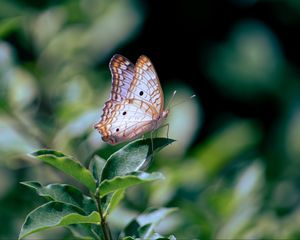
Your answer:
<point x="156" y="133"/>
<point x="165" y="125"/>
<point x="151" y="137"/>
<point x="168" y="125"/>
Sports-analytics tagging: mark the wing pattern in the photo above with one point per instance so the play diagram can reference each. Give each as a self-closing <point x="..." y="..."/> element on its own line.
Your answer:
<point x="129" y="119"/>
<point x="136" y="101"/>
<point x="122" y="71"/>
<point x="145" y="85"/>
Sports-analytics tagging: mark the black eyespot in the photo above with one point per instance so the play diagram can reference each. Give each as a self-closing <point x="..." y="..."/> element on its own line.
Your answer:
<point x="117" y="130"/>
<point x="124" y="113"/>
<point x="141" y="93"/>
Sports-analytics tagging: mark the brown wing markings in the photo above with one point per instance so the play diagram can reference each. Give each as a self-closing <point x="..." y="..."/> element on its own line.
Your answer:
<point x="108" y="116"/>
<point x="122" y="71"/>
<point x="113" y="110"/>
<point x="144" y="67"/>
<point x="126" y="79"/>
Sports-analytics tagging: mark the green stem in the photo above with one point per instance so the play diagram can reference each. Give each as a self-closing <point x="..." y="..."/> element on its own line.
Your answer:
<point x="104" y="226"/>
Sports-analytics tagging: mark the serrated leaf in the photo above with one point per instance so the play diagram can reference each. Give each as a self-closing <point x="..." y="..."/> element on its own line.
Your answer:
<point x="114" y="200"/>
<point x="96" y="166"/>
<point x="63" y="193"/>
<point x="123" y="182"/>
<point x="132" y="157"/>
<point x="55" y="214"/>
<point x="68" y="165"/>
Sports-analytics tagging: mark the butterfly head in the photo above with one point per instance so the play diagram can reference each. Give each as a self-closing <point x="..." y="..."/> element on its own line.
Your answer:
<point x="165" y="114"/>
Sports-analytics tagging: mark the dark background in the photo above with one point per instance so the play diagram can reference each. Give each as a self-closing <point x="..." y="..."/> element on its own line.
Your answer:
<point x="179" y="35"/>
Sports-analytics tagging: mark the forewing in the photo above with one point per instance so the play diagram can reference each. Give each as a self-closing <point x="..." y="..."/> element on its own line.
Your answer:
<point x="145" y="85"/>
<point x="122" y="71"/>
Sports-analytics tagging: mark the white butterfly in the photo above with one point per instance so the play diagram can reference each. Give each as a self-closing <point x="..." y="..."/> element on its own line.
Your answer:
<point x="136" y="103"/>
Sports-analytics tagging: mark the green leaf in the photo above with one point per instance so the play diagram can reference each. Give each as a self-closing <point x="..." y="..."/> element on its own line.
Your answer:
<point x="114" y="200"/>
<point x="84" y="231"/>
<point x="96" y="166"/>
<point x="151" y="219"/>
<point x="55" y="214"/>
<point x="122" y="182"/>
<point x="63" y="193"/>
<point x="9" y="25"/>
<point x="119" y="184"/>
<point x="128" y="238"/>
<point x="171" y="237"/>
<point x="147" y="232"/>
<point x="157" y="236"/>
<point x="131" y="230"/>
<point x="132" y="157"/>
<point x="68" y="165"/>
<point x="224" y="146"/>
<point x="154" y="216"/>
<point x="144" y="225"/>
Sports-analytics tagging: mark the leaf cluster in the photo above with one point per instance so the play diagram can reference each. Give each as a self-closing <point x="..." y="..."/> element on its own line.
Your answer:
<point x="85" y="215"/>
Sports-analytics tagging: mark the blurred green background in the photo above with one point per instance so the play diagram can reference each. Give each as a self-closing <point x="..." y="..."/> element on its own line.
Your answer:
<point x="234" y="171"/>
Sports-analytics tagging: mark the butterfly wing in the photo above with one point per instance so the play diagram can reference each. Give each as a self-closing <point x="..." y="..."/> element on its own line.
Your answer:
<point x="122" y="72"/>
<point x="127" y="120"/>
<point x="145" y="85"/>
<point x="136" y="101"/>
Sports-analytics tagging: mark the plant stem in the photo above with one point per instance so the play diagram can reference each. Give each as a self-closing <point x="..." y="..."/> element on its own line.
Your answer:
<point x="104" y="226"/>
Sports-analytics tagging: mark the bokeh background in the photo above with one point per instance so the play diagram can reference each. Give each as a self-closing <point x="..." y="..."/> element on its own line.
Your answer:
<point x="234" y="171"/>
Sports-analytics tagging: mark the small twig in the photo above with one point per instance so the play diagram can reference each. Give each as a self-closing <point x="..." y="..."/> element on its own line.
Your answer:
<point x="103" y="223"/>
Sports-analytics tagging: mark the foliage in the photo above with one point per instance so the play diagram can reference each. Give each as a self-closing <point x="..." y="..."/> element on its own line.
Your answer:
<point x="67" y="206"/>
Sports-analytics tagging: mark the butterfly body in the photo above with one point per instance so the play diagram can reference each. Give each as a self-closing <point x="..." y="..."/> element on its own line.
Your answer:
<point x="136" y="103"/>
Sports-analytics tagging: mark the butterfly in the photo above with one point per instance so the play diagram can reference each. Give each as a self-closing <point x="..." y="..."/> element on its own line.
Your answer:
<point x="136" y="103"/>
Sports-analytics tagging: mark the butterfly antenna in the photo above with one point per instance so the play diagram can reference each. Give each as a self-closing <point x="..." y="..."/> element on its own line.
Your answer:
<point x="183" y="101"/>
<point x="171" y="100"/>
